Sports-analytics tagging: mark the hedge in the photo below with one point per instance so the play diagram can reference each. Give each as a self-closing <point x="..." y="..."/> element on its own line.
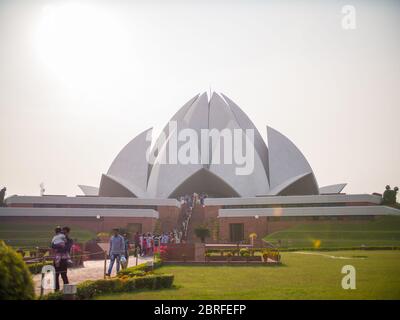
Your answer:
<point x="88" y="289"/>
<point x="128" y="280"/>
<point x="36" y="268"/>
<point x="141" y="269"/>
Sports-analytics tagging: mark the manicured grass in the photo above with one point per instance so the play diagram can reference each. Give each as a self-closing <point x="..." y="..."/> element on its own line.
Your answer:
<point x="303" y="276"/>
<point x="384" y="231"/>
<point x="31" y="235"/>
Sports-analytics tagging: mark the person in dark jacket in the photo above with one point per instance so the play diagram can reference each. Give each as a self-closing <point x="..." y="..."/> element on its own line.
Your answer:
<point x="62" y="257"/>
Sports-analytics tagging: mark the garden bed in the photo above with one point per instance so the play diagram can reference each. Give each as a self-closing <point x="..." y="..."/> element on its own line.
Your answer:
<point x="233" y="258"/>
<point x="127" y="281"/>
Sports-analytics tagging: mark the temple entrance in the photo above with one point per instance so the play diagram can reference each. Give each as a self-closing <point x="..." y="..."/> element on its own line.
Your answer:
<point x="205" y="181"/>
<point x="236" y="232"/>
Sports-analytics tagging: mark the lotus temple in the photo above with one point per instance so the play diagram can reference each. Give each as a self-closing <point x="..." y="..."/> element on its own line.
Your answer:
<point x="142" y="194"/>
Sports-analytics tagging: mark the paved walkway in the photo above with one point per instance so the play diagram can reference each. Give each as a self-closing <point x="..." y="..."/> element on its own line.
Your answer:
<point x="92" y="270"/>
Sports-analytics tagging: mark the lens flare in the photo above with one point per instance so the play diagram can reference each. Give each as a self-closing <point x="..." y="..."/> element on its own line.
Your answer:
<point x="277" y="212"/>
<point x="316" y="243"/>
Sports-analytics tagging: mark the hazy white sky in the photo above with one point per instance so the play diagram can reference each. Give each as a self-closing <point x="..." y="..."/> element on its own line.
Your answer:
<point x="78" y="80"/>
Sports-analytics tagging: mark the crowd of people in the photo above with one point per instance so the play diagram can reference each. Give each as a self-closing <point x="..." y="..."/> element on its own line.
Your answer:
<point x="145" y="244"/>
<point x="148" y="243"/>
<point x="120" y="245"/>
<point x="193" y="199"/>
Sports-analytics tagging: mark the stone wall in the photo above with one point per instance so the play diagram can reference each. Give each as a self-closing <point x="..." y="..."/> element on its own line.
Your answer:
<point x="104" y="224"/>
<point x="168" y="216"/>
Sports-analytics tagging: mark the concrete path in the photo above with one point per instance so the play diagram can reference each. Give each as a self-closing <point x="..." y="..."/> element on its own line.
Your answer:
<point x="92" y="270"/>
<point x="326" y="255"/>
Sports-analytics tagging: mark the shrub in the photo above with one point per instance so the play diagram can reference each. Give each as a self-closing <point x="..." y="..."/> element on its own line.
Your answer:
<point x="272" y="254"/>
<point x="35" y="268"/>
<point x="138" y="270"/>
<point x="244" y="252"/>
<point x="58" y="295"/>
<point x="145" y="282"/>
<point x="86" y="290"/>
<point x="15" y="278"/>
<point x="166" y="280"/>
<point x="129" y="285"/>
<point x="141" y="269"/>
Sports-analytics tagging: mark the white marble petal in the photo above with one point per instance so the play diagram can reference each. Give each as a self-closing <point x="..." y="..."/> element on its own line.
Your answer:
<point x="332" y="189"/>
<point x="251" y="184"/>
<point x="89" y="190"/>
<point x="131" y="165"/>
<point x="285" y="160"/>
<point x="245" y="123"/>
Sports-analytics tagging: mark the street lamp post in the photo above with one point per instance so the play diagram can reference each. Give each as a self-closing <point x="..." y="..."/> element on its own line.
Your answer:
<point x="98" y="217"/>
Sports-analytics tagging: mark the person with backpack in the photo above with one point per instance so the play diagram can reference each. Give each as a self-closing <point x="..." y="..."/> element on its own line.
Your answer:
<point x="117" y="249"/>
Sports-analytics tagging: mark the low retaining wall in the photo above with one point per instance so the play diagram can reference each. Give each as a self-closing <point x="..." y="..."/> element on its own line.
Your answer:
<point x="184" y="252"/>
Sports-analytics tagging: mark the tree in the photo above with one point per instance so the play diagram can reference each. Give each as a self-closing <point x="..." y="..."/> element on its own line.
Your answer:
<point x="2" y="196"/>
<point x="15" y="278"/>
<point x="202" y="232"/>
<point x="389" y="196"/>
<point x="157" y="227"/>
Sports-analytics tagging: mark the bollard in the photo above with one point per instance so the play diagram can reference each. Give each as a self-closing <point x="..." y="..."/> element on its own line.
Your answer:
<point x="44" y="270"/>
<point x="69" y="292"/>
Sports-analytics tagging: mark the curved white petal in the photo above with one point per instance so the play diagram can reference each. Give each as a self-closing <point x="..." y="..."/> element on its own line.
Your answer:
<point x="285" y="160"/>
<point x="332" y="189"/>
<point x="111" y="186"/>
<point x="89" y="190"/>
<point x="303" y="184"/>
<point x="245" y="123"/>
<point x="131" y="165"/>
<point x="177" y="117"/>
<point x="255" y="181"/>
<point x="165" y="177"/>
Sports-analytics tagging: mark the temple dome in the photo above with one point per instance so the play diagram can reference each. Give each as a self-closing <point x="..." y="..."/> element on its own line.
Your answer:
<point x="279" y="169"/>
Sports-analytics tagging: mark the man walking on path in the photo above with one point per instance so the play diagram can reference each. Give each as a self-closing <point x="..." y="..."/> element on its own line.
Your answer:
<point x="117" y="249"/>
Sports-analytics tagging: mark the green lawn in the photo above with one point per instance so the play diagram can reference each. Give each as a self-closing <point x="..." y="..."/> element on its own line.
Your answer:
<point x="384" y="231"/>
<point x="31" y="235"/>
<point x="303" y="276"/>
